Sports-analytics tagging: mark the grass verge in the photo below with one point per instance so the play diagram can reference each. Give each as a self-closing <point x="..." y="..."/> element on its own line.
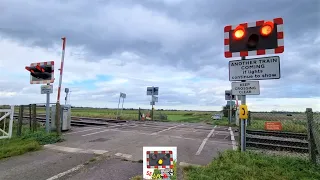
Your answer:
<point x="251" y="166"/>
<point x="26" y="143"/>
<point x="223" y="122"/>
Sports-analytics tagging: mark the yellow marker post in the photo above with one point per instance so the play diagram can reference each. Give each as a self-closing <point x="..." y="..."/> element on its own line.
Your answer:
<point x="243" y="112"/>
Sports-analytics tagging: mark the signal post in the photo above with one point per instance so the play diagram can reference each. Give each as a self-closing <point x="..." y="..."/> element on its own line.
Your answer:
<point x="43" y="73"/>
<point x="252" y="39"/>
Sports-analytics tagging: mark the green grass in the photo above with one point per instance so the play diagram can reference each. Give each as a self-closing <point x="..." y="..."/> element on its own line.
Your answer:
<point x="26" y="143"/>
<point x="252" y="166"/>
<point x="223" y="122"/>
<point x="17" y="146"/>
<point x="173" y="116"/>
<point x="137" y="178"/>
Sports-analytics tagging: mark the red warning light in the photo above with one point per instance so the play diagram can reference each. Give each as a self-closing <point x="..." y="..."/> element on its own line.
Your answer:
<point x="39" y="68"/>
<point x="239" y="32"/>
<point x="29" y="69"/>
<point x="266" y="28"/>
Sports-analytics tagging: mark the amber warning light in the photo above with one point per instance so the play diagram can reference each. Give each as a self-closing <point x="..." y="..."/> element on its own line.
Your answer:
<point x="266" y="28"/>
<point x="239" y="32"/>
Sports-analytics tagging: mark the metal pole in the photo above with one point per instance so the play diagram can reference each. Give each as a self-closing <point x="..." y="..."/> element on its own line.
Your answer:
<point x="48" y="111"/>
<point x="122" y="106"/>
<point x="66" y="99"/>
<point x="118" y="107"/>
<point x="152" y="111"/>
<point x="230" y="109"/>
<point x="243" y="121"/>
<point x="61" y="67"/>
<point x="152" y="102"/>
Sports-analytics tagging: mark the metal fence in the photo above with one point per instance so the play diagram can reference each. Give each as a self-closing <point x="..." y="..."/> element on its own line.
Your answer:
<point x="285" y="133"/>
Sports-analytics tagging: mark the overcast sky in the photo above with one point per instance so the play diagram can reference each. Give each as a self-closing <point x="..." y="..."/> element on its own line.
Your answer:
<point x="126" y="45"/>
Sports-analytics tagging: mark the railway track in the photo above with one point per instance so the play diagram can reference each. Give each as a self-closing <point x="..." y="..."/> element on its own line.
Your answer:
<point x="301" y="136"/>
<point x="80" y="121"/>
<point x="277" y="141"/>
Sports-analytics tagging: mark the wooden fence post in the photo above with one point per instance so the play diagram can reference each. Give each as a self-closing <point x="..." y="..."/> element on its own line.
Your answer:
<point x="34" y="117"/>
<point x="30" y="121"/>
<point x="139" y="118"/>
<point x="312" y="145"/>
<point x="19" y="128"/>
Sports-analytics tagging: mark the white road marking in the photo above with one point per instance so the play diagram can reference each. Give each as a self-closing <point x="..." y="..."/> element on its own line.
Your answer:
<point x="167" y="129"/>
<point x="179" y="137"/>
<point x="96" y="132"/>
<point x="66" y="172"/>
<point x="205" y="140"/>
<point x="234" y="144"/>
<point x="81" y="131"/>
<point x="127" y="156"/>
<point x="74" y="150"/>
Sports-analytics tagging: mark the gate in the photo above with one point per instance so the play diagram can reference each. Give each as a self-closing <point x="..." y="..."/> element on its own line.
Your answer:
<point x="7" y="112"/>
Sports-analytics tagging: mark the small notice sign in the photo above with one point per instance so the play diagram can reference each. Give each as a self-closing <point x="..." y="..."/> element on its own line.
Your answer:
<point x="245" y="88"/>
<point x="255" y="69"/>
<point x="46" y="89"/>
<point x="273" y="126"/>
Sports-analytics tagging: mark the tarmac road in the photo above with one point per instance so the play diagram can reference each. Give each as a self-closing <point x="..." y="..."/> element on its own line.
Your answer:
<point x="99" y="152"/>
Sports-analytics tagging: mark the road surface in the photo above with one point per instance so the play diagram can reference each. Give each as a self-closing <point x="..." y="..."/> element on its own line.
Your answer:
<point x="115" y="152"/>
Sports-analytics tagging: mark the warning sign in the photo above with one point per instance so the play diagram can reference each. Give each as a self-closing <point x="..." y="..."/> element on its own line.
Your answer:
<point x="273" y="126"/>
<point x="255" y="69"/>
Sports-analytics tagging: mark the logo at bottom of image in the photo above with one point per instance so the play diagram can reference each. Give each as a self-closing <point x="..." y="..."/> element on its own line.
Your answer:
<point x="159" y="162"/>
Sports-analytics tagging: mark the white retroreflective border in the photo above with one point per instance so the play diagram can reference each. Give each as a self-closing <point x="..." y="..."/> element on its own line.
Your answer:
<point x="44" y="81"/>
<point x="253" y="53"/>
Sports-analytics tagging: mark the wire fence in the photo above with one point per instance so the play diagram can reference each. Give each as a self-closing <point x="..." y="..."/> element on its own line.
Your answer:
<point x="285" y="133"/>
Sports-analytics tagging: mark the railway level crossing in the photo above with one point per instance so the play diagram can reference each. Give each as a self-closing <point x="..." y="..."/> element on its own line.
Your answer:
<point x="252" y="39"/>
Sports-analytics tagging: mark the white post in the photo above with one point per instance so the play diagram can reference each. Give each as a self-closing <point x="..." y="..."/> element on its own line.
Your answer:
<point x="11" y="121"/>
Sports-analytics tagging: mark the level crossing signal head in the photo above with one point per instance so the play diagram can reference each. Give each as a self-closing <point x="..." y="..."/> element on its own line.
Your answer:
<point x="252" y="39"/>
<point x="41" y="73"/>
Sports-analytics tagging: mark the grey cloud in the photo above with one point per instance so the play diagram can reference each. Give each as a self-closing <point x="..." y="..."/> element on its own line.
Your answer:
<point x="200" y="51"/>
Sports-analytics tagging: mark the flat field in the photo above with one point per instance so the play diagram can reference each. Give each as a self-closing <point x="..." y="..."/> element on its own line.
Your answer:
<point x="291" y="122"/>
<point x="128" y="114"/>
